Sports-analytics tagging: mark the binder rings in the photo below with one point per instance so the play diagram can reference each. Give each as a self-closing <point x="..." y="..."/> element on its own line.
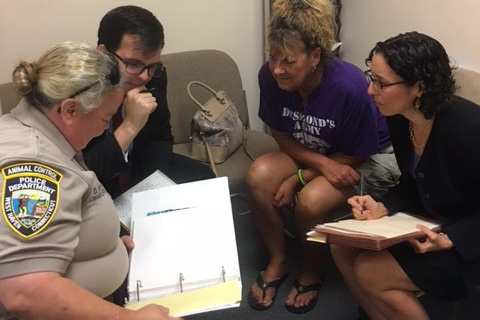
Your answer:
<point x="375" y="234"/>
<point x="185" y="254"/>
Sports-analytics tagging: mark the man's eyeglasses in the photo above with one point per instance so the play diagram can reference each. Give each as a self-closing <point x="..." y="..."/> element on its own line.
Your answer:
<point x="377" y="84"/>
<point x="136" y="68"/>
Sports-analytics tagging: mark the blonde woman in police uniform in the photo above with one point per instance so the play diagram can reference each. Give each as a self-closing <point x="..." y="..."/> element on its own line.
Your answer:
<point x="60" y="253"/>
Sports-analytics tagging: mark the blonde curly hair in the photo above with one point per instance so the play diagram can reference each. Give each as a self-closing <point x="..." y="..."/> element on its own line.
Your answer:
<point x="309" y="21"/>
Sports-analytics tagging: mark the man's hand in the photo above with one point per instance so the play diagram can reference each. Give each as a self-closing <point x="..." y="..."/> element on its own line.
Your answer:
<point x="339" y="175"/>
<point x="286" y="192"/>
<point x="138" y="106"/>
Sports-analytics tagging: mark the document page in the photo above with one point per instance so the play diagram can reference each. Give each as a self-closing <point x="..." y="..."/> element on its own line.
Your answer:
<point x="389" y="226"/>
<point x="220" y="296"/>
<point x="184" y="239"/>
<point x="123" y="203"/>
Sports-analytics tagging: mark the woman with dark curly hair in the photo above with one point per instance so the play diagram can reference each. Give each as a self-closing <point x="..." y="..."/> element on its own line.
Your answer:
<point x="436" y="138"/>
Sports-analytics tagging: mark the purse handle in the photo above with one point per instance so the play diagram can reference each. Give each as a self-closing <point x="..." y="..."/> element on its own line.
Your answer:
<point x="217" y="95"/>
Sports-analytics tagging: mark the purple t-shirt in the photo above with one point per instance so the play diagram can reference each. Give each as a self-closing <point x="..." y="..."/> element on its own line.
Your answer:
<point x="340" y="115"/>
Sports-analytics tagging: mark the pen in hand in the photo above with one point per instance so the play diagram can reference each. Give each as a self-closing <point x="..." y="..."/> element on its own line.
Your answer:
<point x="361" y="191"/>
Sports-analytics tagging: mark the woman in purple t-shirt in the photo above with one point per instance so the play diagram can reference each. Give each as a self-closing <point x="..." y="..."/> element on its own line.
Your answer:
<point x="329" y="132"/>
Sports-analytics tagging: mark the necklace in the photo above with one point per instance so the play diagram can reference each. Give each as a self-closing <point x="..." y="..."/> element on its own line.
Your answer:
<point x="416" y="144"/>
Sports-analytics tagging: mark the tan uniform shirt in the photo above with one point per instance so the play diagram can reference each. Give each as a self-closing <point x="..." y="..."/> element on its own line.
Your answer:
<point x="56" y="216"/>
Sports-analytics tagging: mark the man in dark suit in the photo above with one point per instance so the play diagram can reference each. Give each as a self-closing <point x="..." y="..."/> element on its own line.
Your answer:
<point x="139" y="140"/>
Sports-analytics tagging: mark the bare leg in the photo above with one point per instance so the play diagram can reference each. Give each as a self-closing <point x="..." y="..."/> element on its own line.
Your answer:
<point x="379" y="284"/>
<point x="344" y="258"/>
<point x="315" y="201"/>
<point x="263" y="179"/>
<point x="388" y="286"/>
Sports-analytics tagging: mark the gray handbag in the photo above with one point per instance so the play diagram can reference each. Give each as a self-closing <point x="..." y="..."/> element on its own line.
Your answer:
<point x="217" y="130"/>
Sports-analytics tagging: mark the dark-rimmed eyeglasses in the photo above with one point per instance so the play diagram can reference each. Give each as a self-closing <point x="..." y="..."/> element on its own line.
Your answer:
<point x="137" y="68"/>
<point x="378" y="84"/>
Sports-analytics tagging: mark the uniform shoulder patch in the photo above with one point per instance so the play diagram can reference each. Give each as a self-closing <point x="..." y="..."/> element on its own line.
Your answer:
<point x="30" y="197"/>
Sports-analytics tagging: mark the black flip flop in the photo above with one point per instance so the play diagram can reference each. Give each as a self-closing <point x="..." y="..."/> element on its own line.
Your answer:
<point x="304" y="289"/>
<point x="252" y="301"/>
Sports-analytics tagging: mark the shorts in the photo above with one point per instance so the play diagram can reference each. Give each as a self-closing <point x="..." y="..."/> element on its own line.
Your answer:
<point x="380" y="173"/>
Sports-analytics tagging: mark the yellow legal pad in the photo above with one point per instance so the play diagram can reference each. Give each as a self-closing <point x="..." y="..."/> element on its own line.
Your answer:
<point x="219" y="296"/>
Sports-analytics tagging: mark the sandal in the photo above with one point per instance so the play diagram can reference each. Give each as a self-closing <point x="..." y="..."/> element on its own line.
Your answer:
<point x="252" y="301"/>
<point x="304" y="289"/>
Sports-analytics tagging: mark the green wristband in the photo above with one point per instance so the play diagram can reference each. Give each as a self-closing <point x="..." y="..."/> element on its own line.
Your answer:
<point x="300" y="177"/>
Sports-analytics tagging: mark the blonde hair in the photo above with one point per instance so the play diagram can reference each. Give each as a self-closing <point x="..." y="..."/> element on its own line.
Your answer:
<point x="69" y="69"/>
<point x="309" y="21"/>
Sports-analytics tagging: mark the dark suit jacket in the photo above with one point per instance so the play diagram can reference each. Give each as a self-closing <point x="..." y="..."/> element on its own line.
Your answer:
<point x="151" y="148"/>
<point x="447" y="177"/>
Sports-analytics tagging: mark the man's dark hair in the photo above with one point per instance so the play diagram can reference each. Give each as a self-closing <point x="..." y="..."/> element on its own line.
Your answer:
<point x="131" y="20"/>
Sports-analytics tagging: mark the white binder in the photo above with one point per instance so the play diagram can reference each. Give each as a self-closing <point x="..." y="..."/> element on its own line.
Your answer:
<point x="184" y="243"/>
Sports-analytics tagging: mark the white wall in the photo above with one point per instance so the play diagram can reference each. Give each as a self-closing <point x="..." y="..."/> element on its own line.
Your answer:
<point x="455" y="23"/>
<point x="29" y="27"/>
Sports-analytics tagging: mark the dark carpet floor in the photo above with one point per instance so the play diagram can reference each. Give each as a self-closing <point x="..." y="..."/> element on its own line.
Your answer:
<point x="334" y="302"/>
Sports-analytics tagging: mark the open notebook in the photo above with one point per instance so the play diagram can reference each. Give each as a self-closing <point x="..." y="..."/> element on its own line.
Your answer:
<point x="185" y="255"/>
<point x="372" y="234"/>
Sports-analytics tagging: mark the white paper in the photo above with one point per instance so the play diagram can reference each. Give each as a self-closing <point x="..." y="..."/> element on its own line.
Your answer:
<point x="388" y="226"/>
<point x="123" y="203"/>
<point x="196" y="241"/>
